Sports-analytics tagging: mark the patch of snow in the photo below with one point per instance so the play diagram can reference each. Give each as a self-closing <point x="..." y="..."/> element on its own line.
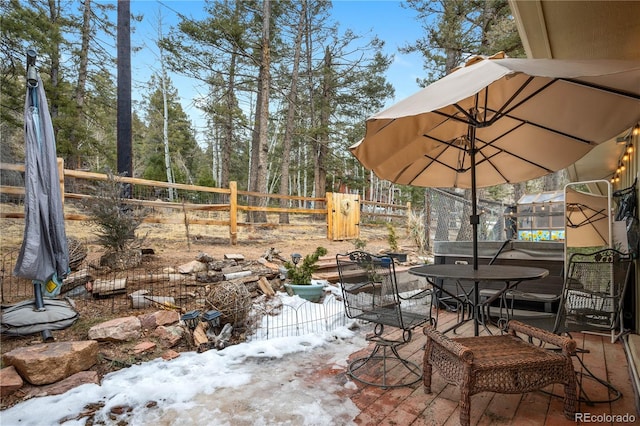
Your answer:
<point x="261" y="382"/>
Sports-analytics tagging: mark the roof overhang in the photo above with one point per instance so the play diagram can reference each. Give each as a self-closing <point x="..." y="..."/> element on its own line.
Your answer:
<point x="578" y="29"/>
<point x="603" y="29"/>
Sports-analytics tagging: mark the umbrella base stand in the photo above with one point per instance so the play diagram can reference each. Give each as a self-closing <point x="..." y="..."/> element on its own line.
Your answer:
<point x="47" y="336"/>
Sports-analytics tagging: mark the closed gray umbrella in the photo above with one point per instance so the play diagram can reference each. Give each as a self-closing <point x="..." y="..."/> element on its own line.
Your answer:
<point x="44" y="249"/>
<point x="44" y="254"/>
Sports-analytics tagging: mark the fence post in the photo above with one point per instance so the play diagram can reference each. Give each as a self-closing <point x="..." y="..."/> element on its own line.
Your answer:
<point x="329" y="204"/>
<point x="61" y="178"/>
<point x="233" y="212"/>
<point x="408" y="217"/>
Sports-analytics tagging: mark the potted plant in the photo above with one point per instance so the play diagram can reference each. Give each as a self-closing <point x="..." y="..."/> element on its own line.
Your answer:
<point x="392" y="239"/>
<point x="299" y="275"/>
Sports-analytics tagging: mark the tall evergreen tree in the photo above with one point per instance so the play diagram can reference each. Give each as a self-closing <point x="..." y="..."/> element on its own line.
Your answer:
<point x="72" y="63"/>
<point x="185" y="153"/>
<point x="454" y="31"/>
<point x="292" y="103"/>
<point x="218" y="50"/>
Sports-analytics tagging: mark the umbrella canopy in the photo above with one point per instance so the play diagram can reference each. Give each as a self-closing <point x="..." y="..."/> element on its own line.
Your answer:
<point x="500" y="121"/>
<point x="587" y="219"/>
<point x="44" y="255"/>
<point x="531" y="117"/>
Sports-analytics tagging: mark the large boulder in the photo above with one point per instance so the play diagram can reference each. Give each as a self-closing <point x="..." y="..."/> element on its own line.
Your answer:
<point x="51" y="362"/>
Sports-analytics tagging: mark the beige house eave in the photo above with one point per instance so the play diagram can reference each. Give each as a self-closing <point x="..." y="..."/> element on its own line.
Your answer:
<point x="581" y="30"/>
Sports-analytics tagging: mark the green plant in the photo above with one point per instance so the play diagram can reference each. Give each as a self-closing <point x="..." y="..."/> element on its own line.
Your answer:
<point x="301" y="274"/>
<point x="392" y="238"/>
<point x="359" y="244"/>
<point x="372" y="273"/>
<point x="417" y="230"/>
<point x="117" y="221"/>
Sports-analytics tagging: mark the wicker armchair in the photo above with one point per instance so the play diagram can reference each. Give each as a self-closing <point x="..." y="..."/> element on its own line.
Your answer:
<point x="502" y="364"/>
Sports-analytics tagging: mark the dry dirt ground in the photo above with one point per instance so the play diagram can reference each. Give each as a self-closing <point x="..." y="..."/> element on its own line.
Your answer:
<point x="172" y="247"/>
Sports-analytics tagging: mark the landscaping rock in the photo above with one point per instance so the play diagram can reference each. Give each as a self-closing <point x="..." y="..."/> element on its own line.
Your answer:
<point x="48" y="363"/>
<point x="209" y="277"/>
<point x="192" y="267"/>
<point x="143" y="347"/>
<point x="234" y="256"/>
<point x="119" y="329"/>
<point x="169" y="336"/>
<point x="217" y="265"/>
<point x="204" y="258"/>
<point x="73" y="381"/>
<point x="152" y="320"/>
<point x="270" y="265"/>
<point x="10" y="381"/>
<point x="122" y="260"/>
<point x="170" y="354"/>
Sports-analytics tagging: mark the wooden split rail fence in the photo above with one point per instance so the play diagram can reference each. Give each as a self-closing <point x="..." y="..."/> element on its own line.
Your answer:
<point x="77" y="185"/>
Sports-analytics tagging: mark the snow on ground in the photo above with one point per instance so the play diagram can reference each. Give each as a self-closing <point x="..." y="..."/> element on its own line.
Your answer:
<point x="262" y="382"/>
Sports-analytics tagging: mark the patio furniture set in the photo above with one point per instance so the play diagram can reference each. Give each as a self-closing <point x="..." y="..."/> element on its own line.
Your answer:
<point x="522" y="358"/>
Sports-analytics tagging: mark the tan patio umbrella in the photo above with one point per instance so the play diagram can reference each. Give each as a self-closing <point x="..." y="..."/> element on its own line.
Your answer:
<point x="498" y="121"/>
<point x="587" y="219"/>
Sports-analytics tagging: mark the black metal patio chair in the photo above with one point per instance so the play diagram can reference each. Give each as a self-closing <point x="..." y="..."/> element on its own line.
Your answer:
<point x="371" y="293"/>
<point x="591" y="301"/>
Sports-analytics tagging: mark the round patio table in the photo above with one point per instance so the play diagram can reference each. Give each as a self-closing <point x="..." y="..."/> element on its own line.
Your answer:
<point x="510" y="275"/>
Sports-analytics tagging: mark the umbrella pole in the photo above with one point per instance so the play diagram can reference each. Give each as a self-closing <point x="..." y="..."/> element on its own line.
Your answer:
<point x="39" y="307"/>
<point x="474" y="220"/>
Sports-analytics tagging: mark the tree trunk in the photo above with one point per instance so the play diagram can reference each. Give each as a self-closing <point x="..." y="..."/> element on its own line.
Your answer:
<point x="83" y="55"/>
<point x="465" y="233"/>
<point x="519" y="189"/>
<point x="553" y="181"/>
<point x="304" y="148"/>
<point x="231" y="106"/>
<point x="124" y="142"/>
<point x="444" y="206"/>
<point x="165" y="114"/>
<point x="322" y="140"/>
<point x="427" y="219"/>
<point x="73" y="161"/>
<point x="289" y="126"/>
<point x="259" y="149"/>
<point x="54" y="16"/>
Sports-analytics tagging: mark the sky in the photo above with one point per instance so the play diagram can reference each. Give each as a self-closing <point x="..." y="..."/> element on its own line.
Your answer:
<point x="385" y="18"/>
<point x="262" y="382"/>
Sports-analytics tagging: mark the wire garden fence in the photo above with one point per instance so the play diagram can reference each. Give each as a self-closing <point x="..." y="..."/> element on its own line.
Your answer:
<point x="137" y="290"/>
<point x="111" y="294"/>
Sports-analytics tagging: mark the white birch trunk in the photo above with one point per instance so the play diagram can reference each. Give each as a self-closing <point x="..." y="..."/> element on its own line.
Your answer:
<point x="165" y="114"/>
